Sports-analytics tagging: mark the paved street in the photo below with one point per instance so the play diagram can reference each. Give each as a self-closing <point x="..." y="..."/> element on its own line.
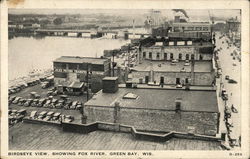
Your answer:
<point x="234" y="90"/>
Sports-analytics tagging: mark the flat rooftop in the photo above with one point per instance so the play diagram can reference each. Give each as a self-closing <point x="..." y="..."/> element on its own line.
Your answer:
<point x="28" y="136"/>
<point x="77" y="59"/>
<point x="194" y="44"/>
<point x="192" y="100"/>
<point x="165" y="66"/>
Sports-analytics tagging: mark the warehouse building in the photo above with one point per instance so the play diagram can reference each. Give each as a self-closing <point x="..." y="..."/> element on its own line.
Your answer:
<point x="155" y="109"/>
<point x="70" y="69"/>
<point x="178" y="50"/>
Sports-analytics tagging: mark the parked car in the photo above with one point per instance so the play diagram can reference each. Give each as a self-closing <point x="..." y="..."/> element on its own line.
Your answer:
<point x="28" y="102"/>
<point x="49" y="93"/>
<point x="21" y="102"/>
<point x="74" y="104"/>
<point x="226" y="77"/>
<point x="55" y="93"/>
<point x="41" y="102"/>
<point x="11" y="99"/>
<point x="56" y="116"/>
<point x="67" y="104"/>
<point x="232" y="81"/>
<point x="34" y="95"/>
<point x="12" y="91"/>
<point x="224" y="94"/>
<point x="174" y="61"/>
<point x="42" y="115"/>
<point x="79" y="106"/>
<point x="16" y="100"/>
<point x="45" y="84"/>
<point x="178" y="86"/>
<point x="48" y="102"/>
<point x="13" y="112"/>
<point x="186" y="64"/>
<point x="33" y="115"/>
<point x="22" y="112"/>
<point x="64" y="97"/>
<point x="53" y="103"/>
<point x="34" y="103"/>
<point x="68" y="118"/>
<point x="60" y="104"/>
<point x="48" y="116"/>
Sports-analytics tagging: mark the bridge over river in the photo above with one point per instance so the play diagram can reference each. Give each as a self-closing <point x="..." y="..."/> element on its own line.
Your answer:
<point x="92" y="33"/>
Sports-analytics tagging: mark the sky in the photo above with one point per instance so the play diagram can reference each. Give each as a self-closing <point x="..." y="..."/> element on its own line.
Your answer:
<point x="194" y="14"/>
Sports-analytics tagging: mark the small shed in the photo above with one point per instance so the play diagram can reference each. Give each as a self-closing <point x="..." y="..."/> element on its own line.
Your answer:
<point x="75" y="88"/>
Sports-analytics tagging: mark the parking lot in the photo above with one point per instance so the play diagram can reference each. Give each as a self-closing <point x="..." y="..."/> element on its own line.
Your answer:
<point x="25" y="93"/>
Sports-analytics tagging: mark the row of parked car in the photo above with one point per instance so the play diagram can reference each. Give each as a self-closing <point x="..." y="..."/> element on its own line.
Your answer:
<point x="49" y="102"/>
<point x="50" y="116"/>
<point x="16" y="116"/>
<point x="46" y="82"/>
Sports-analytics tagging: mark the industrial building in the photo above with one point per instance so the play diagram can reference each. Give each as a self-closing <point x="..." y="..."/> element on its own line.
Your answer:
<point x="69" y="69"/>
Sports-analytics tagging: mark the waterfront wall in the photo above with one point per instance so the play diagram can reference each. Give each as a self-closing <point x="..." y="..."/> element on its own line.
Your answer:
<point x="204" y="123"/>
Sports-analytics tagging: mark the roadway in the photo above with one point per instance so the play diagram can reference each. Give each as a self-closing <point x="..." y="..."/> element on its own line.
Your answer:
<point x="234" y="90"/>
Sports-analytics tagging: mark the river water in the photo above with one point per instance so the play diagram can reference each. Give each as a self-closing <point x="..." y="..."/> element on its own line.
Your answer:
<point x="29" y="53"/>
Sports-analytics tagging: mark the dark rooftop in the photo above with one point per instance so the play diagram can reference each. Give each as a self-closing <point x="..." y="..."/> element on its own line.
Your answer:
<point x="77" y="59"/>
<point x="165" y="66"/>
<point x="204" y="101"/>
<point x="44" y="137"/>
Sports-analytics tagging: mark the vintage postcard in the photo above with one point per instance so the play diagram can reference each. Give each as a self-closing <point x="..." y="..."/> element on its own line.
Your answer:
<point x="124" y="79"/>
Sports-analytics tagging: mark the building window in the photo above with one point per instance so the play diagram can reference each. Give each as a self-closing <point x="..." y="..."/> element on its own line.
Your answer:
<point x="178" y="81"/>
<point x="190" y="28"/>
<point x="205" y="28"/>
<point x="192" y="57"/>
<point x="158" y="55"/>
<point x="180" y="56"/>
<point x="201" y="57"/>
<point x="150" y="55"/>
<point x="171" y="56"/>
<point x="165" y="56"/>
<point x="144" y="54"/>
<point x="187" y="56"/>
<point x="198" y="28"/>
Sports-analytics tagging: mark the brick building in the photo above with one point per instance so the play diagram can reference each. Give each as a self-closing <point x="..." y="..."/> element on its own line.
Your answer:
<point x="68" y="69"/>
<point x="179" y="50"/>
<point x="193" y="63"/>
<point x="156" y="109"/>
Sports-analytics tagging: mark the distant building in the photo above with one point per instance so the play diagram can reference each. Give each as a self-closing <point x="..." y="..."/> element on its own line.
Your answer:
<point x="152" y="109"/>
<point x="234" y="29"/>
<point x="178" y="49"/>
<point x="191" y="30"/>
<point x="69" y="69"/>
<point x="175" y="62"/>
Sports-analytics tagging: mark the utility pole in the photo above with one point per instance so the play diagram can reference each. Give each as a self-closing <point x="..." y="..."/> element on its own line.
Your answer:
<point x="113" y="68"/>
<point x="88" y="75"/>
